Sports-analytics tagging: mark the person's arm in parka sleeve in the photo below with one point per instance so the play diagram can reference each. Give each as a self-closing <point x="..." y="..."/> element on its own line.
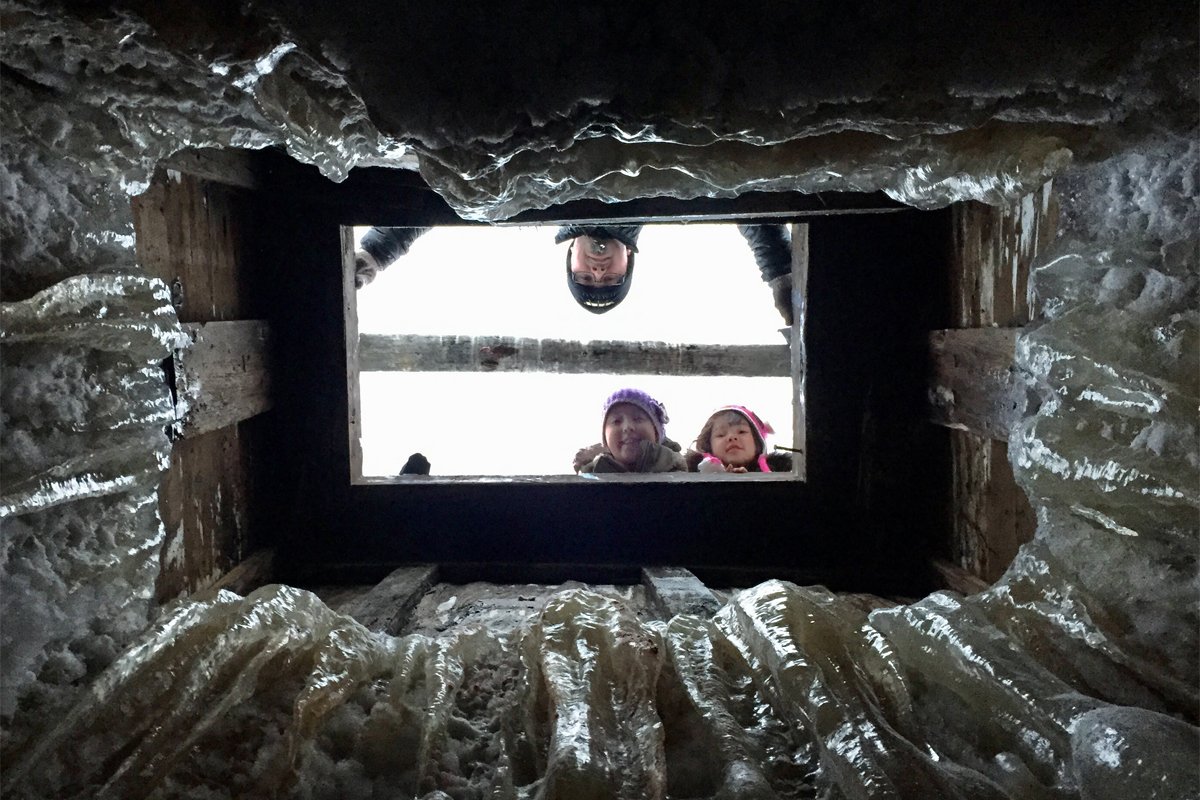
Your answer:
<point x="380" y="248"/>
<point x="663" y="457"/>
<point x="772" y="249"/>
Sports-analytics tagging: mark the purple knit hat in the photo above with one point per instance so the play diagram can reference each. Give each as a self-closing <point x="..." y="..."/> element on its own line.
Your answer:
<point x="655" y="410"/>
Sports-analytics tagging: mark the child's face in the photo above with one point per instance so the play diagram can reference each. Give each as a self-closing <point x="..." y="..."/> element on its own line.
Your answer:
<point x="733" y="441"/>
<point x="625" y="428"/>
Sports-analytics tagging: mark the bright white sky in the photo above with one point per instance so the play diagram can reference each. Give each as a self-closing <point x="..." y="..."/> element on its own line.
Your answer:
<point x="691" y="284"/>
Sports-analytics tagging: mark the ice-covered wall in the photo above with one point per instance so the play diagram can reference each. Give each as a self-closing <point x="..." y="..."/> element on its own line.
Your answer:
<point x="1070" y="677"/>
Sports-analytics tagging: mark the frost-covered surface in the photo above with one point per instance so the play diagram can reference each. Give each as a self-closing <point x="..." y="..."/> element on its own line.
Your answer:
<point x="83" y="407"/>
<point x="1075" y="676"/>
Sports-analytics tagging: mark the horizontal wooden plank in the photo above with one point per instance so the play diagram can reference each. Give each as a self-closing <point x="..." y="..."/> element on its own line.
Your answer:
<point x="973" y="385"/>
<point x="222" y="376"/>
<point x="390" y="603"/>
<point x="674" y="590"/>
<point x="379" y="353"/>
<point x="746" y="207"/>
<point x="230" y="167"/>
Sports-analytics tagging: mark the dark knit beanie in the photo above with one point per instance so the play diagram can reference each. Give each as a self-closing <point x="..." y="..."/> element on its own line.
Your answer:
<point x="655" y="410"/>
<point x="599" y="299"/>
<point x="625" y="234"/>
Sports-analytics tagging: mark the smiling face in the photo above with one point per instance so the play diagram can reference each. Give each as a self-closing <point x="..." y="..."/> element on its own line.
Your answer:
<point x="598" y="262"/>
<point x="733" y="440"/>
<point x="625" y="428"/>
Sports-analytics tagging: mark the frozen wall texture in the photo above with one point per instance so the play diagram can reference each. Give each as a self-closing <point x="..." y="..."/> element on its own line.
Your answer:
<point x="1074" y="676"/>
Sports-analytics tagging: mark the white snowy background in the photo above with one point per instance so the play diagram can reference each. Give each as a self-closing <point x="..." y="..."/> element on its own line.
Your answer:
<point x="691" y="284"/>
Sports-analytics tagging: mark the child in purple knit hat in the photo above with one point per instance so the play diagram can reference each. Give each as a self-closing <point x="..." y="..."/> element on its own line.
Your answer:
<point x="633" y="437"/>
<point x="734" y="439"/>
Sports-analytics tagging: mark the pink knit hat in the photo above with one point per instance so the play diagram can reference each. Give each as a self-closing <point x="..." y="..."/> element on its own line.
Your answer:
<point x="758" y="427"/>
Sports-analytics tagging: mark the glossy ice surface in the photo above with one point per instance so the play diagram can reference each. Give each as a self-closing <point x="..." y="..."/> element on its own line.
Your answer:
<point x="1076" y="675"/>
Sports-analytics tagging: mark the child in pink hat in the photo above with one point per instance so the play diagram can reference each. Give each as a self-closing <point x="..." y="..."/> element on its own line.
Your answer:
<point x="633" y="437"/>
<point x="734" y="439"/>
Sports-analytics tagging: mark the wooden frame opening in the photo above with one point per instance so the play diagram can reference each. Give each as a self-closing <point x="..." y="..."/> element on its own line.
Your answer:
<point x="512" y="356"/>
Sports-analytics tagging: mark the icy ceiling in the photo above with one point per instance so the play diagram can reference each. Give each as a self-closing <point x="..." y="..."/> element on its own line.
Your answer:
<point x="1075" y="676"/>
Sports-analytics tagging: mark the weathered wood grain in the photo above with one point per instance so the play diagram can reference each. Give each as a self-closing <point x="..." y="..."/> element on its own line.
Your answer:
<point x="380" y="353"/>
<point x="201" y="239"/>
<point x="973" y="388"/>
<point x="799" y="365"/>
<point x="230" y="167"/>
<point x="974" y="385"/>
<point x="350" y="337"/>
<point x="390" y="603"/>
<point x="194" y="235"/>
<point x="674" y="590"/>
<point x="995" y="248"/>
<point x="224" y="376"/>
<point x="252" y="572"/>
<point x="992" y="515"/>
<point x="205" y="501"/>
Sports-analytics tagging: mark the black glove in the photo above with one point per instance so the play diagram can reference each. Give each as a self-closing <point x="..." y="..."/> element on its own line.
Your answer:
<point x="417" y="464"/>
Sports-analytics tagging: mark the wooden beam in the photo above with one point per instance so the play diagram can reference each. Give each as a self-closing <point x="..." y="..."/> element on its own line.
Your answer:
<point x="379" y="353"/>
<point x="747" y="207"/>
<point x="992" y="516"/>
<point x="350" y="338"/>
<point x="388" y="606"/>
<point x="973" y="386"/>
<point x="994" y="250"/>
<point x="799" y="364"/>
<point x="230" y="167"/>
<point x="958" y="579"/>
<point x="258" y="569"/>
<point x="674" y="590"/>
<point x="222" y="376"/>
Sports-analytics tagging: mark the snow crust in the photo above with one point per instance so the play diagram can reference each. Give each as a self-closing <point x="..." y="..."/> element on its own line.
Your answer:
<point x="1076" y="675"/>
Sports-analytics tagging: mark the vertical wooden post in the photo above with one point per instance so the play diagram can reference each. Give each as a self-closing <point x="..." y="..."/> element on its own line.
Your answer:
<point x="994" y="250"/>
<point x="799" y="358"/>
<point x="350" y="315"/>
<point x="200" y="238"/>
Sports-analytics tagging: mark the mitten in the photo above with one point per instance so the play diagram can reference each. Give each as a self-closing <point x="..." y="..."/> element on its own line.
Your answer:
<point x="417" y="464"/>
<point x="586" y="455"/>
<point x="365" y="267"/>
<point x="781" y="291"/>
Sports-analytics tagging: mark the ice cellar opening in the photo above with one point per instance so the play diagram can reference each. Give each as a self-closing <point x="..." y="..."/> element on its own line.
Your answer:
<point x="986" y="588"/>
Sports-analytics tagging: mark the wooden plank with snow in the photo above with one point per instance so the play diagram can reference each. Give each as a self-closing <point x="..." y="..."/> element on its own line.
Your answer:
<point x="674" y="590"/>
<point x="413" y="353"/>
